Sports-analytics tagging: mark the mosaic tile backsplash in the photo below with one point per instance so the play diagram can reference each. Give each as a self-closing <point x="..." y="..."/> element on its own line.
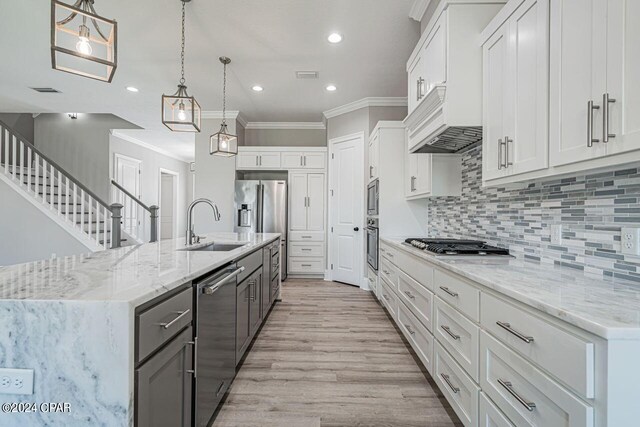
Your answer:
<point x="592" y="209"/>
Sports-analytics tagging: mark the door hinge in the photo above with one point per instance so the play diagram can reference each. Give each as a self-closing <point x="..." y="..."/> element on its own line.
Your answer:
<point x="331" y="193"/>
<point x="332" y="229"/>
<point x="332" y="266"/>
<point x="333" y="156"/>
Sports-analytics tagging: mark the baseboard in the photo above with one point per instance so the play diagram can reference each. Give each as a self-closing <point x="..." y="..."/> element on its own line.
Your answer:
<point x="364" y="284"/>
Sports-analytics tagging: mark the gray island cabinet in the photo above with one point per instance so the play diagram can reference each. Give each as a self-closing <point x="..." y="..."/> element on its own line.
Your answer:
<point x="114" y="333"/>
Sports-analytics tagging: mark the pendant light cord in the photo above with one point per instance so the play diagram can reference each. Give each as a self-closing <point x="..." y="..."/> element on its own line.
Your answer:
<point x="224" y="95"/>
<point x="182" y="81"/>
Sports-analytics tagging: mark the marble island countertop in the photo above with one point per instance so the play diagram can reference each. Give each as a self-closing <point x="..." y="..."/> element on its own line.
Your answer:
<point x="132" y="274"/>
<point x="607" y="307"/>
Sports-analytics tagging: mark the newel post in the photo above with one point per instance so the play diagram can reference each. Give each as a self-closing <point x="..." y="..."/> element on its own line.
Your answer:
<point x="116" y="225"/>
<point x="154" y="223"/>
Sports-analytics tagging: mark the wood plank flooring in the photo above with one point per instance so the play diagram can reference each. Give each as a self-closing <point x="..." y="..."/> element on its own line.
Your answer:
<point x="328" y="355"/>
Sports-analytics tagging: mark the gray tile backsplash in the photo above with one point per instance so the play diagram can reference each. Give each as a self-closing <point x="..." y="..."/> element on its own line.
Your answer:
<point x="592" y="209"/>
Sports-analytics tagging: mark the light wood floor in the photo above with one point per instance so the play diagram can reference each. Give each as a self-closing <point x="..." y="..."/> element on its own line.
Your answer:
<point x="328" y="355"/>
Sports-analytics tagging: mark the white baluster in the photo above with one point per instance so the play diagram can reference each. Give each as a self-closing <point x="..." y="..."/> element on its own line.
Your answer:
<point x="28" y="168"/>
<point x="82" y="210"/>
<point x="5" y="140"/>
<point x="13" y="156"/>
<point x="105" y="227"/>
<point x="89" y="214"/>
<point x="52" y="182"/>
<point x="75" y="205"/>
<point x="68" y="200"/>
<point x="60" y="199"/>
<point x="37" y="174"/>
<point x="45" y="166"/>
<point x="98" y="225"/>
<point x="21" y="166"/>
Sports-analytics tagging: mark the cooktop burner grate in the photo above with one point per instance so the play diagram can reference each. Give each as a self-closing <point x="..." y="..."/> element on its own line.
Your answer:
<point x="456" y="247"/>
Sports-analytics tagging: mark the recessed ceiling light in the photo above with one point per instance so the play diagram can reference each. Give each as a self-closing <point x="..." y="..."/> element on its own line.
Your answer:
<point x="132" y="89"/>
<point x="331" y="88"/>
<point x="334" y="38"/>
<point x="258" y="88"/>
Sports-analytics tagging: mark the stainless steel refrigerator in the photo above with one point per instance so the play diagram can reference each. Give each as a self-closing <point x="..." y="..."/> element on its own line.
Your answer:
<point x="261" y="207"/>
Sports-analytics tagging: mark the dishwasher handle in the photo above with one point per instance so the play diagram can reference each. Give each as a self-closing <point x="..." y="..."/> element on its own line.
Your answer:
<point x="210" y="290"/>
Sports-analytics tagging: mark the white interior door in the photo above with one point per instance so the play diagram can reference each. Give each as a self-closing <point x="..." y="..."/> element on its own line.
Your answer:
<point x="168" y="201"/>
<point x="127" y="174"/>
<point x="346" y="204"/>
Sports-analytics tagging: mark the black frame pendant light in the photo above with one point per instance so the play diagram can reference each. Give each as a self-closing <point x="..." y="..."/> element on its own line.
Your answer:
<point x="83" y="42"/>
<point x="223" y="143"/>
<point x="180" y="111"/>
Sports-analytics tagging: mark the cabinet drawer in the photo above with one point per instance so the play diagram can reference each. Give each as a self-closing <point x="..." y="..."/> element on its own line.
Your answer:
<point x="250" y="263"/>
<point x="542" y="342"/>
<point x="457" y="387"/>
<point x="388" y="251"/>
<point x="418" y="336"/>
<point x="303" y="249"/>
<point x="417" y="298"/>
<point x="306" y="236"/>
<point x="389" y="272"/>
<point x="526" y="395"/>
<point x="389" y="299"/>
<point x="490" y="415"/>
<point x="306" y="265"/>
<point x="461" y="295"/>
<point x="417" y="269"/>
<point x="156" y="325"/>
<point x="372" y="277"/>
<point x="459" y="336"/>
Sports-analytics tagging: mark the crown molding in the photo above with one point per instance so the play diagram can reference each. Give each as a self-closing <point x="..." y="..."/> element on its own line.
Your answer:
<point x="146" y="145"/>
<point x="285" y="125"/>
<point x="233" y="114"/>
<point x="418" y="9"/>
<point x="366" y="102"/>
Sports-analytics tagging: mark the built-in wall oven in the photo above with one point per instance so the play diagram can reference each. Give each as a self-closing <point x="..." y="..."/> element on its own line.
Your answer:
<point x="373" y="194"/>
<point x="372" y="242"/>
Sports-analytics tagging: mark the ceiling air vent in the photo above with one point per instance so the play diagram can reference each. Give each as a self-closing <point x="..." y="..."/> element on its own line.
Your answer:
<point x="45" y="90"/>
<point x="306" y="74"/>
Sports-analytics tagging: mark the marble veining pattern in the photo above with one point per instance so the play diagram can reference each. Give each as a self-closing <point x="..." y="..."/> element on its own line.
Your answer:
<point x="607" y="307"/>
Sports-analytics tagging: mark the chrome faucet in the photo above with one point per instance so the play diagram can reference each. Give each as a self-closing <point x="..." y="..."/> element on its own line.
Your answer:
<point x="191" y="236"/>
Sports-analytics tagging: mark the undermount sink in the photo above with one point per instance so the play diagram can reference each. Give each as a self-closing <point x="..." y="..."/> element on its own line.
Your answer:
<point x="216" y="247"/>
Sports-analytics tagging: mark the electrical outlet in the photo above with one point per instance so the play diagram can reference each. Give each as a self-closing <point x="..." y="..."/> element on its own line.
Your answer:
<point x="16" y="381"/>
<point x="630" y="241"/>
<point x="556" y="234"/>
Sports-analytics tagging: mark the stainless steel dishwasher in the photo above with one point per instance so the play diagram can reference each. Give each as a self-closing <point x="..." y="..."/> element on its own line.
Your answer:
<point x="215" y="340"/>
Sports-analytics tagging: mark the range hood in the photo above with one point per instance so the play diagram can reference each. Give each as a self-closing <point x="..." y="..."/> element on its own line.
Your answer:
<point x="455" y="139"/>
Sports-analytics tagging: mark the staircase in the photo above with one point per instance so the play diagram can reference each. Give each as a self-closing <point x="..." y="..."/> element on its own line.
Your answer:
<point x="91" y="220"/>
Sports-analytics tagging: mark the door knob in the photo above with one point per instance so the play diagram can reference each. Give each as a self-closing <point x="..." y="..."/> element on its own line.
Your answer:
<point x="356" y="228"/>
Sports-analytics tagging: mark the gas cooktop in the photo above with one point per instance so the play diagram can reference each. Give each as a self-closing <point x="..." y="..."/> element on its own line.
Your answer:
<point x="456" y="247"/>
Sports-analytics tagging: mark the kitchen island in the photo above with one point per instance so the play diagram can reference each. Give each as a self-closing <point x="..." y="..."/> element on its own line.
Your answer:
<point x="74" y="322"/>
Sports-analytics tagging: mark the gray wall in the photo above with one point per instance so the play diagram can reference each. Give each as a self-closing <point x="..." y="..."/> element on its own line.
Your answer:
<point x="240" y="131"/>
<point x="385" y="113"/>
<point x="286" y="137"/>
<point x="28" y="234"/>
<point x="428" y="14"/>
<point x="215" y="180"/>
<point x="20" y="122"/>
<point x="152" y="162"/>
<point x="80" y="146"/>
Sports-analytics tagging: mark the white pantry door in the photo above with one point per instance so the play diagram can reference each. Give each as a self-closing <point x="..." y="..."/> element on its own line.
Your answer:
<point x="127" y="174"/>
<point x="346" y="204"/>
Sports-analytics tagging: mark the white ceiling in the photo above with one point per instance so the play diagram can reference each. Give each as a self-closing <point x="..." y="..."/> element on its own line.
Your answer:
<point x="267" y="41"/>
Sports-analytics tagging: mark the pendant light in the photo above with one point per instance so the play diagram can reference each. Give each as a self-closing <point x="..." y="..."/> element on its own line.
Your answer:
<point x="222" y="143"/>
<point x="82" y="42"/>
<point x="181" y="112"/>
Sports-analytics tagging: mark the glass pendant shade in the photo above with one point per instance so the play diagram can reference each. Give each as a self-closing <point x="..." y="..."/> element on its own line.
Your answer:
<point x="222" y="143"/>
<point x="83" y="42"/>
<point x="181" y="112"/>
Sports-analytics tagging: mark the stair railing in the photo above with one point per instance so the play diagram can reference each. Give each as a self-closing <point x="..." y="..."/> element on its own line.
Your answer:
<point x="55" y="188"/>
<point x="134" y="221"/>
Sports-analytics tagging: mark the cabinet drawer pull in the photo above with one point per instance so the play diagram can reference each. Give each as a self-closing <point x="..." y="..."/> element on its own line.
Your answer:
<point x="305" y="249"/>
<point x="220" y="389"/>
<point x="413" y="184"/>
<point x="386" y="297"/>
<point x="306" y="265"/>
<point x="590" y="138"/>
<point x="387" y="272"/>
<point x="449" y="291"/>
<point x="605" y="118"/>
<point x="446" y="379"/>
<point x="509" y="387"/>
<point x="305" y="237"/>
<point x="409" y="294"/>
<point x="411" y="331"/>
<point x="448" y="330"/>
<point x="181" y="314"/>
<point x="500" y="165"/>
<point x="507" y="327"/>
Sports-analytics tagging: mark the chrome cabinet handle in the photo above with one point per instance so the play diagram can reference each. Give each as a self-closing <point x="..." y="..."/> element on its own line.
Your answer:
<point x="605" y="118"/>
<point x="507" y="160"/>
<point x="301" y="161"/>
<point x="509" y="387"/>
<point x="499" y="154"/>
<point x="590" y="138"/>
<point x="446" y="379"/>
<point x="449" y="291"/>
<point x="181" y="314"/>
<point x="507" y="327"/>
<point x="252" y="294"/>
<point x="370" y="171"/>
<point x="413" y="184"/>
<point x="448" y="330"/>
<point x="386" y="272"/>
<point x="194" y="371"/>
<point x="409" y="294"/>
<point x="420" y="88"/>
<point x="209" y="290"/>
<point x="304" y="163"/>
<point x="411" y="331"/>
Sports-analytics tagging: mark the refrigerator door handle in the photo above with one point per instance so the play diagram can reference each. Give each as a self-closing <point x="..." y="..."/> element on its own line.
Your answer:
<point x="259" y="208"/>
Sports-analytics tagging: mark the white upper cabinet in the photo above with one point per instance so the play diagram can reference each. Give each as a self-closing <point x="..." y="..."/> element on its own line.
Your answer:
<point x="274" y="158"/>
<point x="515" y="126"/>
<point x="304" y="160"/>
<point x="432" y="175"/>
<point x="292" y="160"/>
<point x="248" y="160"/>
<point x="374" y="156"/>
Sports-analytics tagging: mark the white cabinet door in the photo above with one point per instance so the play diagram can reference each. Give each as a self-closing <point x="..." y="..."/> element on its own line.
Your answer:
<point x="269" y="160"/>
<point x="434" y="55"/>
<point x="292" y="160"/>
<point x="298" y="201"/>
<point x="623" y="69"/>
<point x="418" y="175"/>
<point x="416" y="83"/>
<point x="374" y="145"/>
<point x="312" y="160"/>
<point x="527" y="88"/>
<point x="578" y="65"/>
<point x="248" y="160"/>
<point x="315" y="201"/>
<point x="494" y="52"/>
